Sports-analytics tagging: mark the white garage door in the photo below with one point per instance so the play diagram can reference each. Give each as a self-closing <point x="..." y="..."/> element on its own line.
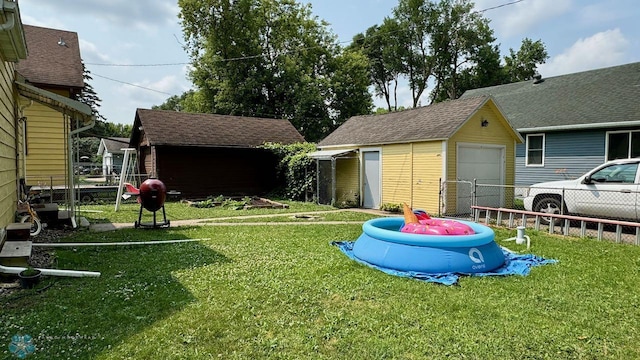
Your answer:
<point x="485" y="164"/>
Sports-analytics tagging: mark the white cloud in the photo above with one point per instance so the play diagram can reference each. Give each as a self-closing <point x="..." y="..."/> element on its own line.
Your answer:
<point x="598" y="14"/>
<point x="515" y="20"/>
<point x="604" y="49"/>
<point x="90" y="52"/>
<point x="52" y="23"/>
<point x="154" y="92"/>
<point x="146" y="15"/>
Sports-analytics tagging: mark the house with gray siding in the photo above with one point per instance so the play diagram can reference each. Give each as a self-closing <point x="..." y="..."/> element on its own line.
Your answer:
<point x="112" y="153"/>
<point x="571" y="123"/>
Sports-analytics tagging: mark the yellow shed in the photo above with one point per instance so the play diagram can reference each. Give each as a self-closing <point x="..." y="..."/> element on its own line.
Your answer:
<point x="410" y="156"/>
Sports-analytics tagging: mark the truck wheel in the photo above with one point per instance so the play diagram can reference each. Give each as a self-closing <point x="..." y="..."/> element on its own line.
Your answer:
<point x="36" y="225"/>
<point x="549" y="205"/>
<point x="86" y="198"/>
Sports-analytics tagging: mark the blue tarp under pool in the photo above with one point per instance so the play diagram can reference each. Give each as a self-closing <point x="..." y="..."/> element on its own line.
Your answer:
<point x="515" y="264"/>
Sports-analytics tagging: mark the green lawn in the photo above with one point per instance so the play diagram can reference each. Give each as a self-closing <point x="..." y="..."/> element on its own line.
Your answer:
<point x="128" y="212"/>
<point x="283" y="292"/>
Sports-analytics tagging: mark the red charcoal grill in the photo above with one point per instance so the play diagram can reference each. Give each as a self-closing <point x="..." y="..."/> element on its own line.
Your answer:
<point x="152" y="195"/>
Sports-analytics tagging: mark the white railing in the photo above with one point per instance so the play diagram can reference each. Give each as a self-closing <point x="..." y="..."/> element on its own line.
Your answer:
<point x="522" y="217"/>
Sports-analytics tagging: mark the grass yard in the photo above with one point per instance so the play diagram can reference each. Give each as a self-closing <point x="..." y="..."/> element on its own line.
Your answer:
<point x="128" y="212"/>
<point x="283" y="292"/>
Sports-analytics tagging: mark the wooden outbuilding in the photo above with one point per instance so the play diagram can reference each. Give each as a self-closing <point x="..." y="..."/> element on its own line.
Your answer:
<point x="203" y="155"/>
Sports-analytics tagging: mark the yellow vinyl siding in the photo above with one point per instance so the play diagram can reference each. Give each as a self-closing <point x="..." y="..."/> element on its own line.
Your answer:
<point x="46" y="146"/>
<point x="496" y="133"/>
<point x="8" y="151"/>
<point x="427" y="171"/>
<point x="411" y="174"/>
<point x="396" y="173"/>
<point x="347" y="181"/>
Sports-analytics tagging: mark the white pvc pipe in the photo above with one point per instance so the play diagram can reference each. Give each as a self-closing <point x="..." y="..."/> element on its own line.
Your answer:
<point x="117" y="243"/>
<point x="53" y="272"/>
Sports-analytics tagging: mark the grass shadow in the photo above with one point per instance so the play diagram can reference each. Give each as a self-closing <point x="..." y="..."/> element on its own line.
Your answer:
<point x="136" y="289"/>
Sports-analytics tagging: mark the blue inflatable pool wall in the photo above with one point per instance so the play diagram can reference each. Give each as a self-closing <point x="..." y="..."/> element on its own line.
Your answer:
<point x="382" y="244"/>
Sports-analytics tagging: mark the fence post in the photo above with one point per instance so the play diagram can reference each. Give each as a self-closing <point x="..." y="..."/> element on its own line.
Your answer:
<point x="474" y="193"/>
<point x="439" y="197"/>
<point x="562" y="202"/>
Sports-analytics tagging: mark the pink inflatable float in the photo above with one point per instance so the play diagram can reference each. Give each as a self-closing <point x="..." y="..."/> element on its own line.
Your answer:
<point x="422" y="223"/>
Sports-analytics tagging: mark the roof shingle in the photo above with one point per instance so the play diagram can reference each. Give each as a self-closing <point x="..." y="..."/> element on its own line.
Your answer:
<point x="54" y="58"/>
<point x="115" y="144"/>
<point x="436" y="121"/>
<point x="164" y="127"/>
<point x="590" y="97"/>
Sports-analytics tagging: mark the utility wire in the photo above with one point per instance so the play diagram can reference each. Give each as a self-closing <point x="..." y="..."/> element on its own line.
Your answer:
<point x="130" y="84"/>
<point x="499" y="6"/>
<point x="261" y="55"/>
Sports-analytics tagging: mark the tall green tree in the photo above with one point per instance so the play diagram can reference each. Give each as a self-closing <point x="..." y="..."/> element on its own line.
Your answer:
<point x="88" y="141"/>
<point x="268" y="58"/>
<point x="88" y="95"/>
<point x="382" y="45"/>
<point x="522" y="65"/>
<point x="459" y="35"/>
<point x="417" y="18"/>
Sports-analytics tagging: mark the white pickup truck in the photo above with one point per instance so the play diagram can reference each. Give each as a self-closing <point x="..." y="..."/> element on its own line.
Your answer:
<point x="608" y="191"/>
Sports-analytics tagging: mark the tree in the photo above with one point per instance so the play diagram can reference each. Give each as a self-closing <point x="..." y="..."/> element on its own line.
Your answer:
<point x="88" y="95"/>
<point x="417" y="19"/>
<point x="266" y="58"/>
<point x="488" y="70"/>
<point x="382" y="46"/>
<point x="88" y="142"/>
<point x="458" y="36"/>
<point x="521" y="65"/>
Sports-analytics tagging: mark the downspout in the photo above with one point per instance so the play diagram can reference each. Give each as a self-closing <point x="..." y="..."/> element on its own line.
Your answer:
<point x="22" y="119"/>
<point x="11" y="19"/>
<point x="72" y="193"/>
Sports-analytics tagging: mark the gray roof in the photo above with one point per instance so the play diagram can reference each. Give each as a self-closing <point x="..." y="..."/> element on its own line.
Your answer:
<point x="115" y="145"/>
<point x="595" y="98"/>
<point x="164" y="127"/>
<point x="433" y="122"/>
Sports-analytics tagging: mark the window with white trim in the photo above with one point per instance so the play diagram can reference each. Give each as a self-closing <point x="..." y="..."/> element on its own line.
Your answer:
<point x="623" y="144"/>
<point x="535" y="150"/>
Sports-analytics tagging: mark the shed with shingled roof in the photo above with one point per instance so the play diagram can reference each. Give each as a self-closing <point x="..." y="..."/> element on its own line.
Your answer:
<point x="405" y="156"/>
<point x="203" y="155"/>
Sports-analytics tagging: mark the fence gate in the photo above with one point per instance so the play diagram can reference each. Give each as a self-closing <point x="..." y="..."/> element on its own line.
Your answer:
<point x="456" y="198"/>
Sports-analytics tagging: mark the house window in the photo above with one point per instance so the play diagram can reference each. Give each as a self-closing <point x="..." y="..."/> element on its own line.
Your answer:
<point x="535" y="150"/>
<point x="623" y="145"/>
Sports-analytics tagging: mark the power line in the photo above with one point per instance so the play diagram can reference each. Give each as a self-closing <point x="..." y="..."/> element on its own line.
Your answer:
<point x="130" y="84"/>
<point x="499" y="6"/>
<point x="261" y="55"/>
<point x="139" y="65"/>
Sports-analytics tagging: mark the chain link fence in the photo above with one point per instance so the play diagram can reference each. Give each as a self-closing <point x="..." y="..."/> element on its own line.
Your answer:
<point x="594" y="212"/>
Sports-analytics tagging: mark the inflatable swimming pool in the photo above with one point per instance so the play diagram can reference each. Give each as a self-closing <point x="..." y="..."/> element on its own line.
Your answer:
<point x="382" y="244"/>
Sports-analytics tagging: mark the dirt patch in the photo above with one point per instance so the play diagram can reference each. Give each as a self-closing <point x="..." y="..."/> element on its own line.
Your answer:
<point x="237" y="203"/>
<point x="40" y="258"/>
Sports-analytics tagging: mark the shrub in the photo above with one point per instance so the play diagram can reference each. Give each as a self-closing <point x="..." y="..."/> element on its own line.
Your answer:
<point x="396" y="208"/>
<point x="295" y="167"/>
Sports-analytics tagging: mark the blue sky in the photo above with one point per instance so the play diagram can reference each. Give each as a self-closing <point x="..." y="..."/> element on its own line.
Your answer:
<point x="579" y="35"/>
